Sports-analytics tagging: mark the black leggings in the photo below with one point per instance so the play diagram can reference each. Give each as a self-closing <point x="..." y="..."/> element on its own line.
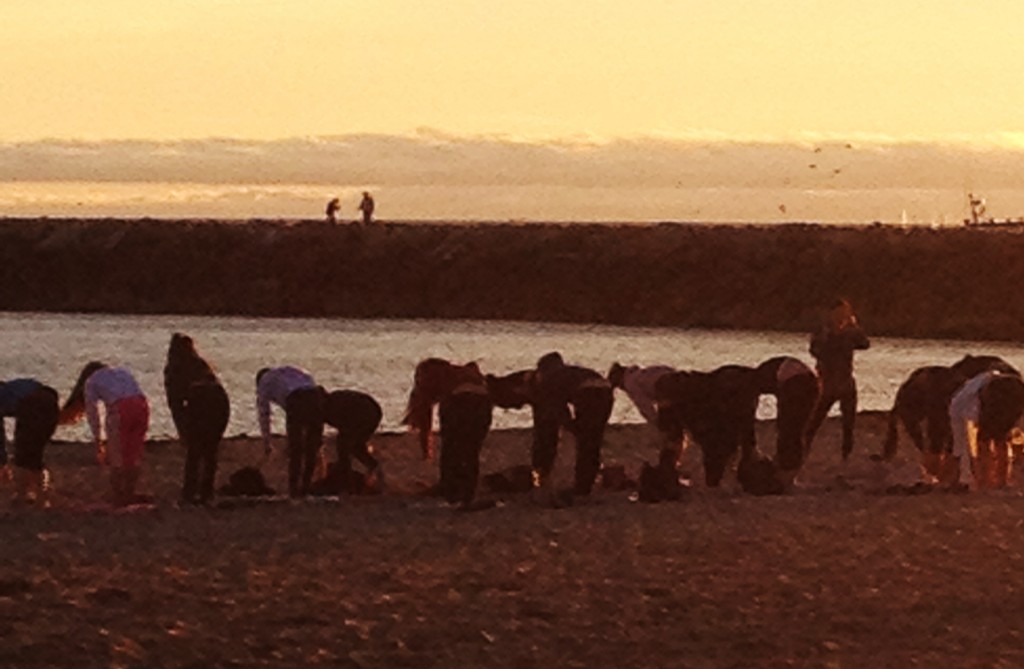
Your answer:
<point x="206" y="411"/>
<point x="35" y="423"/>
<point x="592" y="406"/>
<point x="465" y="420"/>
<point x="845" y="393"/>
<point x="356" y="416"/>
<point x="304" y="424"/>
<point x="797" y="397"/>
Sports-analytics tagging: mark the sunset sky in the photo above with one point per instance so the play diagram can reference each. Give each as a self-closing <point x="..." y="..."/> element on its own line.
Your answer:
<point x="719" y="69"/>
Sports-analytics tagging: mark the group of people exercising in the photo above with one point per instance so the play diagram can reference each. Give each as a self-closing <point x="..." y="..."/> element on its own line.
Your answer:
<point x="969" y="410"/>
<point x="200" y="410"/>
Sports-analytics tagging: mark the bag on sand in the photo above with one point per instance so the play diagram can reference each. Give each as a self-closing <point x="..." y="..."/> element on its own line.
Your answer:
<point x="341" y="480"/>
<point x="511" y="480"/>
<point x="247" y="482"/>
<point x="659" y="484"/>
<point x="757" y="476"/>
<point x="614" y="477"/>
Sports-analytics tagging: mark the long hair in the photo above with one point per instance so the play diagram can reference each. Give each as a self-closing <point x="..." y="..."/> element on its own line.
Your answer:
<point x="433" y="379"/>
<point x="1002" y="402"/>
<point x="840" y="313"/>
<point x="74" y="405"/>
<point x="185" y="363"/>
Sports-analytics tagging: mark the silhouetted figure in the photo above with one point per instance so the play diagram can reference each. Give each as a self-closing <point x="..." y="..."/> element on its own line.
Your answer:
<point x="717" y="408"/>
<point x="795" y="387"/>
<point x="465" y="418"/>
<point x="578" y="399"/>
<point x="638" y="383"/>
<point x="366" y="206"/>
<point x="560" y="395"/>
<point x="833" y="346"/>
<point x="125" y="424"/>
<point x="433" y="379"/>
<point x="295" y="391"/>
<point x="356" y="416"/>
<point x="923" y="399"/>
<point x="332" y="210"/>
<point x="977" y="205"/>
<point x="200" y="409"/>
<point x="982" y="413"/>
<point x="35" y="410"/>
<point x="659" y="482"/>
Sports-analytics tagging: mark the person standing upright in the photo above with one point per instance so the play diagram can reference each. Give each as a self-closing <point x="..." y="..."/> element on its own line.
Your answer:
<point x="833" y="346"/>
<point x="366" y="206"/>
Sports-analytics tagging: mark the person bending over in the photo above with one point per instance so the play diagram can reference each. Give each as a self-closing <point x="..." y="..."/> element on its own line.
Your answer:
<point x="35" y="410"/>
<point x="295" y="391"/>
<point x="579" y="399"/>
<point x="120" y="440"/>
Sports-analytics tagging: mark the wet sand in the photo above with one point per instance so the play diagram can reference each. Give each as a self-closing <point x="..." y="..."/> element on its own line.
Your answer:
<point x="839" y="575"/>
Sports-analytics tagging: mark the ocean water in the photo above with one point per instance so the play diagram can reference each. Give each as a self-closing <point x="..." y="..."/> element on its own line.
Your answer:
<point x="378" y="356"/>
<point x="526" y="202"/>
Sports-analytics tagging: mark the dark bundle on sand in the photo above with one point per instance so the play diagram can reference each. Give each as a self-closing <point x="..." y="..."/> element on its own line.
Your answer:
<point x="247" y="482"/>
<point x="342" y="480"/>
<point x="614" y="478"/>
<point x="757" y="476"/>
<point x="659" y="484"/>
<point x="510" y="480"/>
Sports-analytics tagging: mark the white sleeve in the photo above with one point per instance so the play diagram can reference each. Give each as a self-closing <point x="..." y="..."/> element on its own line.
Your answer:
<point x="92" y="413"/>
<point x="263" y="414"/>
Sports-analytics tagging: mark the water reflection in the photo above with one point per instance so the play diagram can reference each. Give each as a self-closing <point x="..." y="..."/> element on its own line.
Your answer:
<point x="378" y="356"/>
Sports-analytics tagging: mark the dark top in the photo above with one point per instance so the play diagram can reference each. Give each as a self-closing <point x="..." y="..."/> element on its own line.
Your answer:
<point x="13" y="391"/>
<point x="834" y="352"/>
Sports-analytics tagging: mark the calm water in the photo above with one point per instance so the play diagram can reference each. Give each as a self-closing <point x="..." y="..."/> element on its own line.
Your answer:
<point x="378" y="356"/>
<point x="527" y="202"/>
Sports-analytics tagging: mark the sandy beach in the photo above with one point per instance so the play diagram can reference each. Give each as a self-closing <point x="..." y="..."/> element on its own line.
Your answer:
<point x="842" y="574"/>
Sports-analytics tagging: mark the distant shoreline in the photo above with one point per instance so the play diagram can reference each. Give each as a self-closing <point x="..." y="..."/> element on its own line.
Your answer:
<point x="954" y="282"/>
<point x="464" y="222"/>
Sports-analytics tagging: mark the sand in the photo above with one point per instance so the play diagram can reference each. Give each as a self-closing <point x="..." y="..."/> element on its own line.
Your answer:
<point x="839" y="575"/>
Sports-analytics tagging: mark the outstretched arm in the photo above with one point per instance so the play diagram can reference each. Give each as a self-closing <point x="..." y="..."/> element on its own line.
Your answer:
<point x="263" y="415"/>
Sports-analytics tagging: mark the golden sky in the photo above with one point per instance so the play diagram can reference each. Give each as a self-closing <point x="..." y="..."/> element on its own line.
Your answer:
<point x="266" y="69"/>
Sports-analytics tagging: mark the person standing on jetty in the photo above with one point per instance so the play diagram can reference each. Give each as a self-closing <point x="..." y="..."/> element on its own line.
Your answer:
<point x="126" y="422"/>
<point x="295" y="391"/>
<point x="332" y="210"/>
<point x="366" y="206"/>
<point x="35" y="410"/>
<point x="833" y="346"/>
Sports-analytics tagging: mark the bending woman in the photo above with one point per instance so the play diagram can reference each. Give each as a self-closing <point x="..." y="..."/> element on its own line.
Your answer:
<point x="34" y="408"/>
<point x="125" y="423"/>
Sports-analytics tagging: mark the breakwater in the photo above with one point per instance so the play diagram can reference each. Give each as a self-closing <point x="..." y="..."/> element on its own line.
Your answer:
<point x="916" y="282"/>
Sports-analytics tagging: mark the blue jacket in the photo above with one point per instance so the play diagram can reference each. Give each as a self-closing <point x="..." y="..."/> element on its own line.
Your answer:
<point x="13" y="391"/>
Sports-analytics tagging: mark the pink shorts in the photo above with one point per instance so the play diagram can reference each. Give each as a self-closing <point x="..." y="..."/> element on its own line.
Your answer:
<point x="127" y="424"/>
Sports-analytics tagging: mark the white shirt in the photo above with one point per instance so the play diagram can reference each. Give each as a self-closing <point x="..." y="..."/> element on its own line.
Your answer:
<point x="275" y="386"/>
<point x="964" y="410"/>
<point x="789" y="368"/>
<point x="107" y="385"/>
<point x="638" y="382"/>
